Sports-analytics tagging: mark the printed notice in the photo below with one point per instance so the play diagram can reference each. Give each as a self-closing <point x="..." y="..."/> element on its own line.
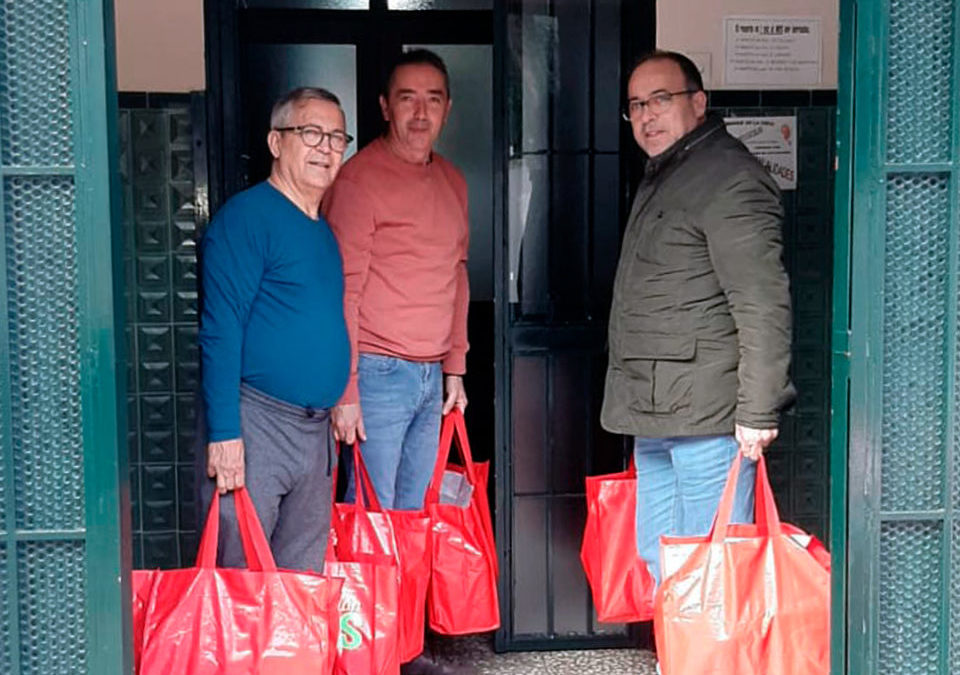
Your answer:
<point x="771" y="50"/>
<point x="773" y="141"/>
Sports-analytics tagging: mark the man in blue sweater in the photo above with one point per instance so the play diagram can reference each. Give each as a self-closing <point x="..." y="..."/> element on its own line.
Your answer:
<point x="273" y="340"/>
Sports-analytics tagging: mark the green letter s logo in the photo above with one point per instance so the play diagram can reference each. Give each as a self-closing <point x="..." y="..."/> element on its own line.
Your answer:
<point x="350" y="636"/>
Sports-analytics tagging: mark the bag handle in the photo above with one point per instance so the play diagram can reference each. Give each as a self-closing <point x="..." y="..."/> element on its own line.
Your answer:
<point x="207" y="553"/>
<point x="252" y="535"/>
<point x="366" y="494"/>
<point x="453" y="431"/>
<point x="256" y="549"/>
<point x="766" y="516"/>
<point x="363" y="484"/>
<point x="366" y="501"/>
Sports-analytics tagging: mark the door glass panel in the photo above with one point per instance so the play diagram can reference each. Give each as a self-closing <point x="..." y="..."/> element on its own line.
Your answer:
<point x="467" y="141"/>
<point x="310" y="4"/>
<point x="439" y="4"/>
<point x="275" y="69"/>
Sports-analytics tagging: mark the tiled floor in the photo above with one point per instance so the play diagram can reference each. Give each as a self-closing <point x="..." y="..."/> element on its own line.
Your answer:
<point x="478" y="651"/>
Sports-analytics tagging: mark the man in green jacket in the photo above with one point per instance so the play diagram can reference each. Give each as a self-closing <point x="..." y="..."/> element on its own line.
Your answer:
<point x="700" y="323"/>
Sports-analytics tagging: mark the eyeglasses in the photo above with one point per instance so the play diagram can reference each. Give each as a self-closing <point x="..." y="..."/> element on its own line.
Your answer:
<point x="312" y="137"/>
<point x="656" y="104"/>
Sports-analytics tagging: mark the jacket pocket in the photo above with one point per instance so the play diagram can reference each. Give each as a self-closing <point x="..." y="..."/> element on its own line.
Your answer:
<point x="660" y="367"/>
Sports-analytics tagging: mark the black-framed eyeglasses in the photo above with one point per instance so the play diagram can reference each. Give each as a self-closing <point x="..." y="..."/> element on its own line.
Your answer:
<point x="656" y="104"/>
<point x="312" y="136"/>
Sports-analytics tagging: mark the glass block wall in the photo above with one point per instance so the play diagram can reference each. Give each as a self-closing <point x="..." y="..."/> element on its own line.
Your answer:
<point x="799" y="461"/>
<point x="161" y="143"/>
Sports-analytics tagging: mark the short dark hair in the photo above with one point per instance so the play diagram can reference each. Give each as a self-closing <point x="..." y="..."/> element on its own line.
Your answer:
<point x="423" y="57"/>
<point x="280" y="113"/>
<point x="690" y="71"/>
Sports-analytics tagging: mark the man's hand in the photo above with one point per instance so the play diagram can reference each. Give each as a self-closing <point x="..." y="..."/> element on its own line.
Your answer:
<point x="456" y="394"/>
<point x="225" y="463"/>
<point x="754" y="441"/>
<point x="347" y="421"/>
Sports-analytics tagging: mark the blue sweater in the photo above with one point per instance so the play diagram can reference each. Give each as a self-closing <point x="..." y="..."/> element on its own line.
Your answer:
<point x="272" y="308"/>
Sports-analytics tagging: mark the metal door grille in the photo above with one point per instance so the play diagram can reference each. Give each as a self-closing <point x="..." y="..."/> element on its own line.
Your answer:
<point x="60" y="554"/>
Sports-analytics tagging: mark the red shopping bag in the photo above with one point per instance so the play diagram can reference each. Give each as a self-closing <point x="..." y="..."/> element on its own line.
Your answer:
<point x="142" y="586"/>
<point x="463" y="585"/>
<point x="622" y="586"/>
<point x="363" y="552"/>
<point x="206" y="620"/>
<point x="412" y="531"/>
<point x="746" y="599"/>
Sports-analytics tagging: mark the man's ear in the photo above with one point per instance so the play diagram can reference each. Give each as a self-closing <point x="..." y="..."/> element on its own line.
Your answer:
<point x="273" y="142"/>
<point x="700" y="103"/>
<point x="384" y="108"/>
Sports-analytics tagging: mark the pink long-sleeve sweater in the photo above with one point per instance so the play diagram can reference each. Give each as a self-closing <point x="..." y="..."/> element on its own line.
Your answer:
<point x="403" y="232"/>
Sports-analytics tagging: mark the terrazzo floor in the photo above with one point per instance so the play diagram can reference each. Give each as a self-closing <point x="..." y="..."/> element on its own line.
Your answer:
<point x="478" y="651"/>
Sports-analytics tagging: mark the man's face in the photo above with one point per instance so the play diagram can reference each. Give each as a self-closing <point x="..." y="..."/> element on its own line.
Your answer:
<point x="416" y="107"/>
<point x="308" y="169"/>
<point x="657" y="132"/>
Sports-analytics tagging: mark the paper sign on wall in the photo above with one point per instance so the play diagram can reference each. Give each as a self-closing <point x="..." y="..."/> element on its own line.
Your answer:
<point x="772" y="50"/>
<point x="773" y="141"/>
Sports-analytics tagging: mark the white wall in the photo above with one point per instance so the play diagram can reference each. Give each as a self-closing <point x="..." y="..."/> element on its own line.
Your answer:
<point x="159" y="45"/>
<point x="696" y="27"/>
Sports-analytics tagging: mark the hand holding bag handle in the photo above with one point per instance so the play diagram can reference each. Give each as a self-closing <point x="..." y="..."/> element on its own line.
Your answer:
<point x="453" y="429"/>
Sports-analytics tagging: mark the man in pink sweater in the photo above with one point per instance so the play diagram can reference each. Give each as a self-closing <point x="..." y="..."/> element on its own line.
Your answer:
<point x="399" y="212"/>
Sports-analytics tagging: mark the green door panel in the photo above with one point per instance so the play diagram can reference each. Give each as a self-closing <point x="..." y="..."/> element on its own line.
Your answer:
<point x="903" y="531"/>
<point x="63" y="594"/>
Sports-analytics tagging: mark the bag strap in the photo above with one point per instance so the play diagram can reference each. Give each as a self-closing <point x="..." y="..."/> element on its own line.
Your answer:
<point x="765" y="501"/>
<point x="256" y="549"/>
<point x="207" y="553"/>
<point x="766" y="516"/>
<point x="366" y="494"/>
<point x="255" y="545"/>
<point x="370" y="504"/>
<point x="453" y="431"/>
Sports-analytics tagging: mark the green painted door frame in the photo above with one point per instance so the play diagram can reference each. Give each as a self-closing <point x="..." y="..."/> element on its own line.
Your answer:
<point x="896" y="486"/>
<point x="64" y="484"/>
<point x="840" y="337"/>
<point x="103" y="366"/>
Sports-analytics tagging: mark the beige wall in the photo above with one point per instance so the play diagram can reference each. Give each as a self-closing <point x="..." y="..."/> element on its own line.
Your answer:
<point x="159" y="45"/>
<point x="160" y="42"/>
<point x="696" y="27"/>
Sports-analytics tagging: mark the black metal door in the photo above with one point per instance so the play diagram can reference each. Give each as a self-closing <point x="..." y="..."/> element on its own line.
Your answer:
<point x="547" y="186"/>
<point x="567" y="188"/>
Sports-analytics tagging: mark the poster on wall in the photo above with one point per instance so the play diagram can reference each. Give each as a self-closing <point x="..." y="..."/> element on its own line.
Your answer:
<point x="778" y="51"/>
<point x="773" y="141"/>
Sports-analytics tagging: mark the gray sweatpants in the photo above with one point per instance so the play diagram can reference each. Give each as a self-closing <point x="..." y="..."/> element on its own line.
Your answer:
<point x="289" y="464"/>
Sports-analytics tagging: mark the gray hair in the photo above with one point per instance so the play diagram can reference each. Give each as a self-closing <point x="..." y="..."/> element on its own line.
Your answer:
<point x="280" y="114"/>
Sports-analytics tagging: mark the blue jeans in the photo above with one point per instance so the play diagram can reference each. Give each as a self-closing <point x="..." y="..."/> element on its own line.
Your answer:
<point x="679" y="483"/>
<point x="401" y="402"/>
